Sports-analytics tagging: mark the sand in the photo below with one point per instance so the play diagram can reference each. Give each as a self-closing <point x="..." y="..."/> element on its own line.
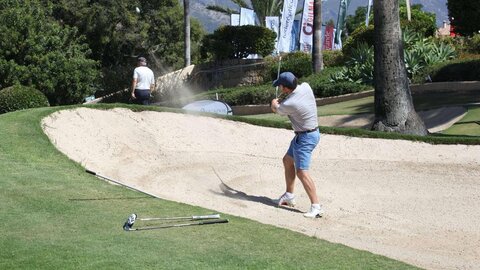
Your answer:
<point x="410" y="201"/>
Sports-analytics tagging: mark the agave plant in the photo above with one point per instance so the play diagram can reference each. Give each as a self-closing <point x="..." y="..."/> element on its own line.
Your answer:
<point x="359" y="68"/>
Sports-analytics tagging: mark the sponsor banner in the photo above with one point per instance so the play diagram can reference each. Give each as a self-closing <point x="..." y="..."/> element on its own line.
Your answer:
<point x="286" y="24"/>
<point x="306" y="35"/>
<point x="235" y="19"/>
<point x="328" y="37"/>
<point x="272" y="23"/>
<point x="341" y="22"/>
<point x="294" y="41"/>
<point x="247" y="16"/>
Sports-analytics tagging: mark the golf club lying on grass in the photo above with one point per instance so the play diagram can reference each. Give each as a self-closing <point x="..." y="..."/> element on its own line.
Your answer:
<point x="214" y="216"/>
<point x="200" y="220"/>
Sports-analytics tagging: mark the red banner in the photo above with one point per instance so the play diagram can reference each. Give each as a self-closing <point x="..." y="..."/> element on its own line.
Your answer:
<point x="328" y="39"/>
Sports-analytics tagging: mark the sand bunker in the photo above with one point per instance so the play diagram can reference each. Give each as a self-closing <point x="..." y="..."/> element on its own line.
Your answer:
<point x="410" y="201"/>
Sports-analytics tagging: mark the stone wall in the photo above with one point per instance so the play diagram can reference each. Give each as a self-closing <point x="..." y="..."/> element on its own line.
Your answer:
<point x="228" y="73"/>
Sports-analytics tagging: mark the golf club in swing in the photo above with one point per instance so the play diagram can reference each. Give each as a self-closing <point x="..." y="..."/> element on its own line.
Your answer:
<point x="211" y="219"/>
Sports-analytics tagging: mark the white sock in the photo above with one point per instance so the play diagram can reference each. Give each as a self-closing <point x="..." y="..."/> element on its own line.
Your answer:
<point x="316" y="205"/>
<point x="289" y="195"/>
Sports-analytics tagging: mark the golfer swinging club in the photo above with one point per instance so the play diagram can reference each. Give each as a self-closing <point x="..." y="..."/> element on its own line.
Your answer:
<point x="301" y="109"/>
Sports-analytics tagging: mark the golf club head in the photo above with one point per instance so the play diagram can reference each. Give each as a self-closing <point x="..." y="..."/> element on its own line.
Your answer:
<point x="129" y="223"/>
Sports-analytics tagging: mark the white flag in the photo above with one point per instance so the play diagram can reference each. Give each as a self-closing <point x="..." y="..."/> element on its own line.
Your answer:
<point x="306" y="33"/>
<point x="272" y="23"/>
<point x="234" y="19"/>
<point x="247" y="16"/>
<point x="286" y="24"/>
<point x="367" y="19"/>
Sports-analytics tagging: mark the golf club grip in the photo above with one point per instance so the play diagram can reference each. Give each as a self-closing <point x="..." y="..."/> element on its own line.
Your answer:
<point x="91" y="172"/>
<point x="206" y="217"/>
<point x="213" y="221"/>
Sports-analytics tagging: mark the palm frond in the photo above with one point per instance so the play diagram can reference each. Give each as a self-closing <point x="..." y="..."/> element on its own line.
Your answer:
<point x="221" y="9"/>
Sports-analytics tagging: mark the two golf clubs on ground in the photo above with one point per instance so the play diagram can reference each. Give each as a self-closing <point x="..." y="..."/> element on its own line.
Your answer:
<point x="194" y="220"/>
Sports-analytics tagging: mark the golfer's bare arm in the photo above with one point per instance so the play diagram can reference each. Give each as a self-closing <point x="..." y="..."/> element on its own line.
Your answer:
<point x="134" y="84"/>
<point x="274" y="105"/>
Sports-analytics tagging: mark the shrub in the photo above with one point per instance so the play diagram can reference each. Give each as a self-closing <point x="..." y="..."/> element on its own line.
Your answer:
<point x="21" y="97"/>
<point x="359" y="67"/>
<point x="263" y="94"/>
<point x="473" y="44"/>
<point x="333" y="58"/>
<point x="456" y="70"/>
<point x="37" y="51"/>
<point x="362" y="34"/>
<point x="236" y="42"/>
<point x="299" y="63"/>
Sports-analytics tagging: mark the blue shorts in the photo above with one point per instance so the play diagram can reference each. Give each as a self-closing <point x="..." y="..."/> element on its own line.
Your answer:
<point x="301" y="148"/>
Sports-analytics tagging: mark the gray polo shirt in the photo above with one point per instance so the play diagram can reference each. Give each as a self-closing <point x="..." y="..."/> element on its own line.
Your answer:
<point x="301" y="108"/>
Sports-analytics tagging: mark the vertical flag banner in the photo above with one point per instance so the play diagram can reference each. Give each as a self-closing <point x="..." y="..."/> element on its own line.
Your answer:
<point x="328" y="38"/>
<point x="234" y="19"/>
<point x="286" y="24"/>
<point x="294" y="41"/>
<point x="272" y="23"/>
<point x="368" y="12"/>
<point x="342" y="11"/>
<point x="306" y="34"/>
<point x="247" y="16"/>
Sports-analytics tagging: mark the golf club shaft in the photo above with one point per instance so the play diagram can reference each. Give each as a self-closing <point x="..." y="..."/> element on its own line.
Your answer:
<point x="215" y="216"/>
<point x="206" y="222"/>
<point x="121" y="184"/>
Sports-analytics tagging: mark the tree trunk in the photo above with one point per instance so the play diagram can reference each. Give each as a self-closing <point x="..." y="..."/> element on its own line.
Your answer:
<point x="394" y="111"/>
<point x="186" y="18"/>
<point x="317" y="56"/>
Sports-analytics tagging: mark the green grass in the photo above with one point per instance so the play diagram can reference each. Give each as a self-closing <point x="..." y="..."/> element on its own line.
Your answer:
<point x="466" y="131"/>
<point x="56" y="216"/>
<point x="469" y="125"/>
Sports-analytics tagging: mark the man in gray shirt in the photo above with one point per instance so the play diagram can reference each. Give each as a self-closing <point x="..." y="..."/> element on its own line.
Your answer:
<point x="301" y="108"/>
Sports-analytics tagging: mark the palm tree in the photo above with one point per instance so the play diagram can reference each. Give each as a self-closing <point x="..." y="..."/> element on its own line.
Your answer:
<point x="262" y="8"/>
<point x="317" y="56"/>
<point x="394" y="111"/>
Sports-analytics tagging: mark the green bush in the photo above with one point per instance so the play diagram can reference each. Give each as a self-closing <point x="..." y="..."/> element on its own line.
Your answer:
<point x="455" y="70"/>
<point x="299" y="63"/>
<point x="421" y="21"/>
<point x="236" y="42"/>
<point x="362" y="34"/>
<point x="263" y="94"/>
<point x="333" y="58"/>
<point x="21" y="97"/>
<point x="40" y="52"/>
<point x="473" y="44"/>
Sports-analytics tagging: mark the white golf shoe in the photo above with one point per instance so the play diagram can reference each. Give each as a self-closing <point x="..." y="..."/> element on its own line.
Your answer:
<point x="315" y="212"/>
<point x="284" y="200"/>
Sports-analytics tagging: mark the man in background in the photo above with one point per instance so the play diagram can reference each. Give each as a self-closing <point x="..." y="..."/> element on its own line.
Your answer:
<point x="143" y="83"/>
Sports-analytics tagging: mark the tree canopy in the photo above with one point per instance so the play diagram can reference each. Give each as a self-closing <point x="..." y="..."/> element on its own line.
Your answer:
<point x="70" y="49"/>
<point x="37" y="51"/>
<point x="464" y="15"/>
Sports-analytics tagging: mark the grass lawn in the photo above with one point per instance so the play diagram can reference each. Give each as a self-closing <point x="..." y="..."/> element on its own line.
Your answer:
<point x="56" y="216"/>
<point x="468" y="126"/>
